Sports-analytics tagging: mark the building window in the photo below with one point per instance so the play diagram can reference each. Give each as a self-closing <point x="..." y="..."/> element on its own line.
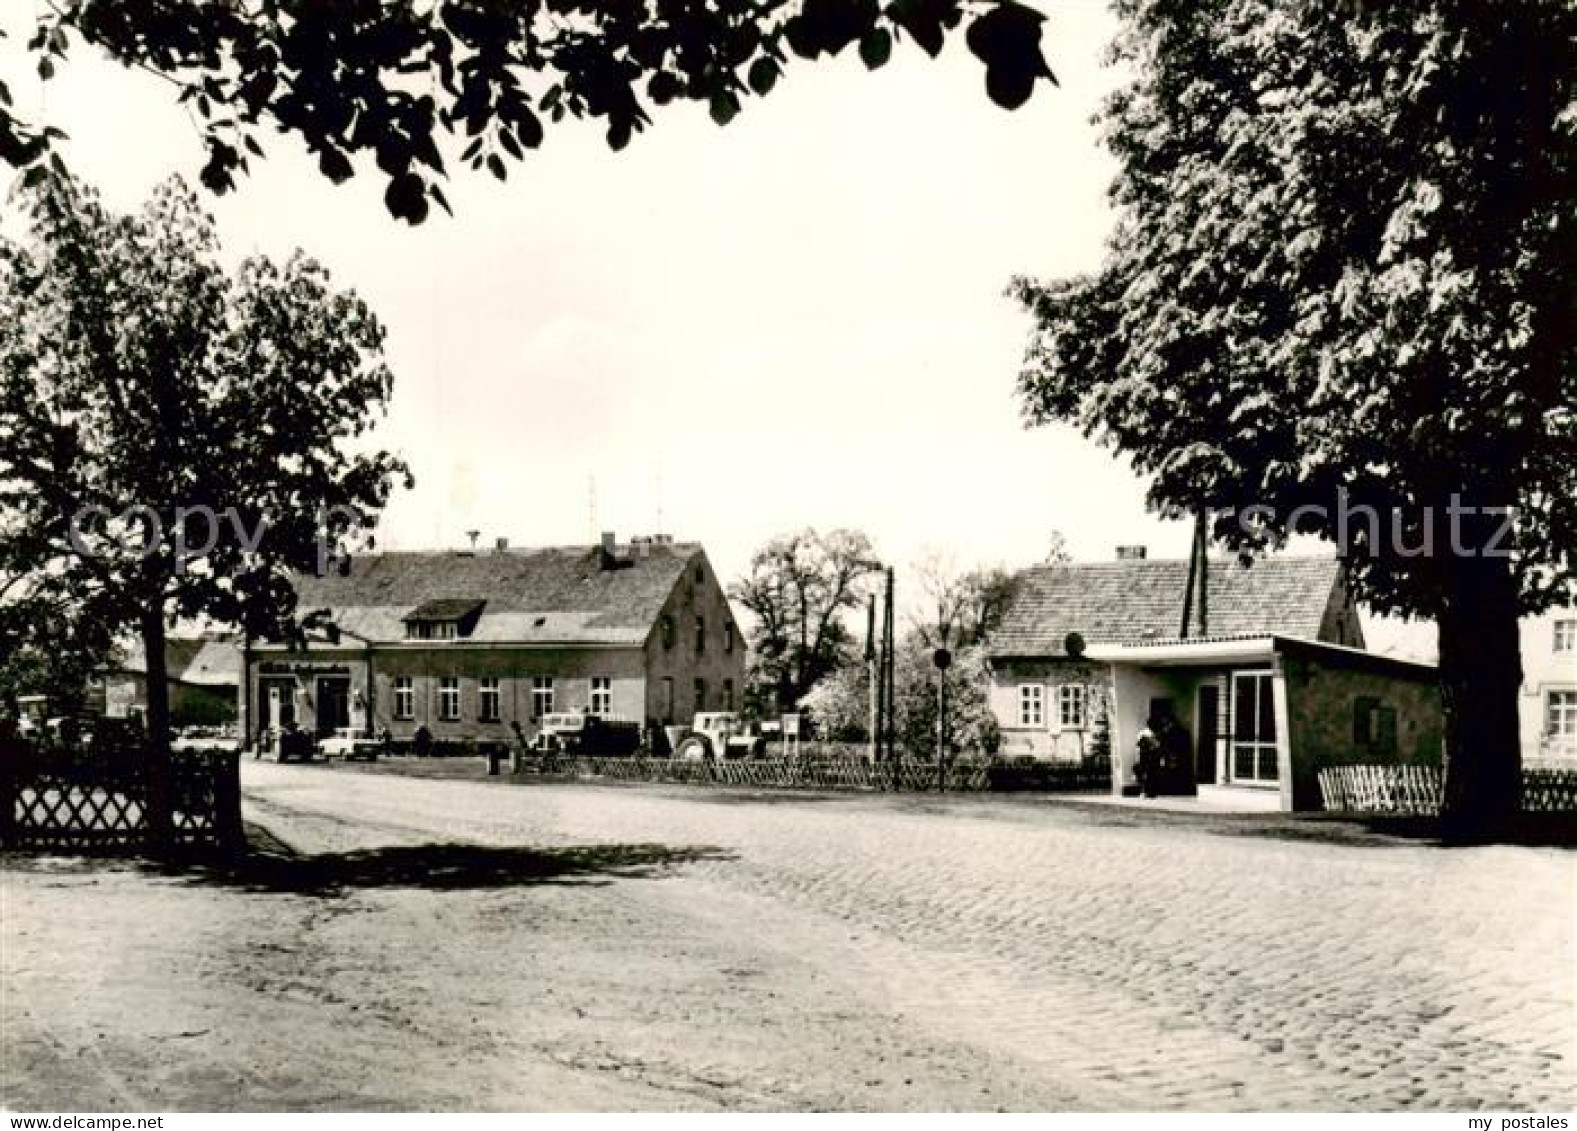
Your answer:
<point x="1560" y="714"/>
<point x="1253" y="727"/>
<point x="449" y="698"/>
<point x="601" y="695"/>
<point x="668" y="699"/>
<point x="1374" y="725"/>
<point x="700" y="694"/>
<point x="700" y="635"/>
<point x="668" y="631"/>
<point x="1566" y="636"/>
<point x="404" y="697"/>
<point x="728" y="695"/>
<point x="1031" y="705"/>
<point x="728" y="637"/>
<point x="487" y="702"/>
<point x="1071" y="700"/>
<point x="541" y="696"/>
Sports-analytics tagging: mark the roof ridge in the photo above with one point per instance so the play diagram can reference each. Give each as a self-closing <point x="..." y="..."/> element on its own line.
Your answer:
<point x="1218" y="559"/>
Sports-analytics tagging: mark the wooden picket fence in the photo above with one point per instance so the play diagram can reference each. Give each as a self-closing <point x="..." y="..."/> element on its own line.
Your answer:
<point x="838" y="773"/>
<point x="74" y="801"/>
<point x="1417" y="790"/>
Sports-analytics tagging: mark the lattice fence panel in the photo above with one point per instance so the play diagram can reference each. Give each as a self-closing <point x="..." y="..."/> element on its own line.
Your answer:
<point x="1417" y="790"/>
<point x="835" y="773"/>
<point x="68" y="800"/>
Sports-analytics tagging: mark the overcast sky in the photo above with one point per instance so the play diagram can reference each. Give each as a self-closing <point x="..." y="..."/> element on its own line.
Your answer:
<point x="723" y="334"/>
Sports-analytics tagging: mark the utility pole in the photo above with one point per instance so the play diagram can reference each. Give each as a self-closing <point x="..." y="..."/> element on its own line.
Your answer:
<point x="1202" y="536"/>
<point x="1198" y="576"/>
<point x="888" y="714"/>
<point x="873" y="696"/>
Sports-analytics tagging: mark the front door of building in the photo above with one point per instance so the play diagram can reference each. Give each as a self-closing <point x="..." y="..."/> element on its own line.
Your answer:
<point x="276" y="703"/>
<point x="333" y="704"/>
<point x="1207" y="734"/>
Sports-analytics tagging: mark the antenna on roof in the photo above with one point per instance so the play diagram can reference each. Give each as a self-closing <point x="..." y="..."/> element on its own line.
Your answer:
<point x="473" y="535"/>
<point x="657" y="476"/>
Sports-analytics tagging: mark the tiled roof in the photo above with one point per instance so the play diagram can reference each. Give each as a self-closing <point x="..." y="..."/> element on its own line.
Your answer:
<point x="552" y="595"/>
<point x="1138" y="601"/>
<point x="207" y="660"/>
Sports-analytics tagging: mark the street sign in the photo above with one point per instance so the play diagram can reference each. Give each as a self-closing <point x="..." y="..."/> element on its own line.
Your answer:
<point x="942" y="658"/>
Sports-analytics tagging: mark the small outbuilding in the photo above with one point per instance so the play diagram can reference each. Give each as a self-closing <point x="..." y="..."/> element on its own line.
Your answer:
<point x="1276" y="686"/>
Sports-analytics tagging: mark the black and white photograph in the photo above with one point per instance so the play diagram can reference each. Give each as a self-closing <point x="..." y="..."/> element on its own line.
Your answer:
<point x="788" y="556"/>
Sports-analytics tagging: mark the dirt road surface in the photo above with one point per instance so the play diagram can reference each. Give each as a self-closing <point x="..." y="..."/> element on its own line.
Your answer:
<point x="476" y="945"/>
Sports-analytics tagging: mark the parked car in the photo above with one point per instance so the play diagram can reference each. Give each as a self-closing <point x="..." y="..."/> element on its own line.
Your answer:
<point x="350" y="742"/>
<point x="576" y="733"/>
<point x="225" y="740"/>
<point x="720" y="734"/>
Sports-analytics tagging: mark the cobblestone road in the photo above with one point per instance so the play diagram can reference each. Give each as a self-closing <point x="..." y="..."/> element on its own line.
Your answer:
<point x="1123" y="962"/>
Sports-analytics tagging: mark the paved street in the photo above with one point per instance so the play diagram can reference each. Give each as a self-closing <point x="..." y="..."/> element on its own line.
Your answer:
<point x="582" y="946"/>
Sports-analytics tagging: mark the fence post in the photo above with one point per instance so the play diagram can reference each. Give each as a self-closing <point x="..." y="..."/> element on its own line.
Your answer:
<point x="10" y="776"/>
<point x="228" y="831"/>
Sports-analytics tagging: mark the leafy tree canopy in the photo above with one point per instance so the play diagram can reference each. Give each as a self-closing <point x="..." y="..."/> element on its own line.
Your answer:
<point x="799" y="588"/>
<point x="391" y="80"/>
<point x="959" y="608"/>
<point x="1344" y="264"/>
<point x="839" y="703"/>
<point x="136" y="373"/>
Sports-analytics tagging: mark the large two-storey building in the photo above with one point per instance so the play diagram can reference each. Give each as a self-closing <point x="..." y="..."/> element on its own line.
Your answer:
<point x="470" y="644"/>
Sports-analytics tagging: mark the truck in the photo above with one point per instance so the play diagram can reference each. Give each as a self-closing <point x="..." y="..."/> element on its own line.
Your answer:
<point x="579" y="733"/>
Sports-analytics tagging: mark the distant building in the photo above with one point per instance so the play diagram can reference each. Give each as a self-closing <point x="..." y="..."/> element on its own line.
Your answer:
<point x="469" y="643"/>
<point x="1548" y="706"/>
<point x="204" y="675"/>
<point x="1275" y="686"/>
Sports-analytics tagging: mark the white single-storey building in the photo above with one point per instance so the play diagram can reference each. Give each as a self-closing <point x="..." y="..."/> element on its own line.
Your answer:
<point x="1277" y="686"/>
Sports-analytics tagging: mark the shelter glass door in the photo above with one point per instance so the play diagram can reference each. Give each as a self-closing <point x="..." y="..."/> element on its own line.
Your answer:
<point x="1254" y="727"/>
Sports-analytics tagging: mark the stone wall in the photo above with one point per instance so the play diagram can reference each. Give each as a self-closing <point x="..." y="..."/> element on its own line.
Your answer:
<point x="1325" y="695"/>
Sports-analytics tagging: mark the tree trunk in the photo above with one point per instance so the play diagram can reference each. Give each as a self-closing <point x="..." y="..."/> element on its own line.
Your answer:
<point x="1480" y="680"/>
<point x="159" y="817"/>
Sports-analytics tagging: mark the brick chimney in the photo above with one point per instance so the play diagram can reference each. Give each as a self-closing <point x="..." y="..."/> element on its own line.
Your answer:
<point x="610" y="557"/>
<point x="1132" y="553"/>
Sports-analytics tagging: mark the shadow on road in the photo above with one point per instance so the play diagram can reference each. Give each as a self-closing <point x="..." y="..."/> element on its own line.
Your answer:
<point x="449" y="867"/>
<point x="1532" y="830"/>
<point x="270" y="866"/>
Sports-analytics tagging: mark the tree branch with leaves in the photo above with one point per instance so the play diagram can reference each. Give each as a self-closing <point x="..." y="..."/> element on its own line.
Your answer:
<point x="391" y="83"/>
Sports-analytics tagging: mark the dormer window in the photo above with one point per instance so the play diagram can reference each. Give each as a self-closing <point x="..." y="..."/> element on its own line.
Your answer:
<point x="431" y="630"/>
<point x="447" y="618"/>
